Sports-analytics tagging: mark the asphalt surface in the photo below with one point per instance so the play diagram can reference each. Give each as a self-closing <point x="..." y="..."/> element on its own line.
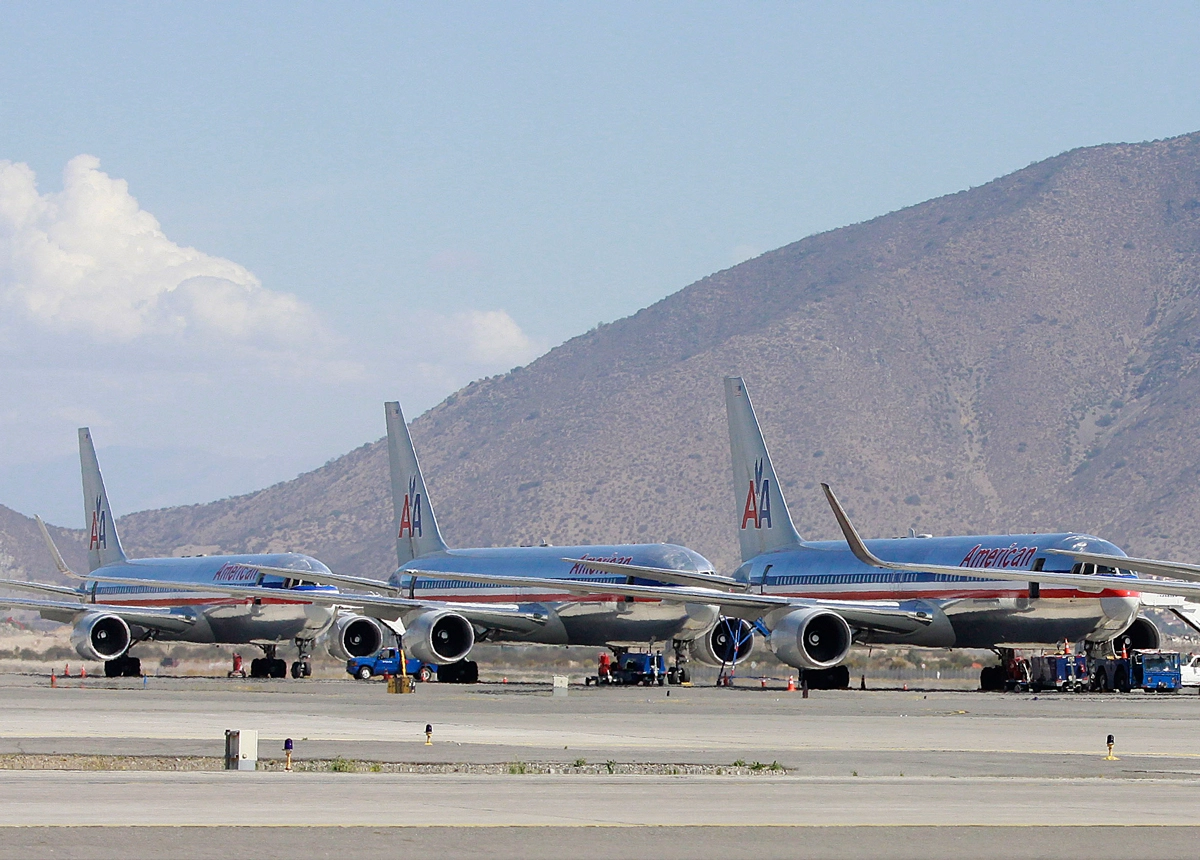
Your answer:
<point x="884" y="773"/>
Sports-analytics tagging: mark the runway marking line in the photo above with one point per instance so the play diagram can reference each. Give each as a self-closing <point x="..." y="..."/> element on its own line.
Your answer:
<point x="419" y="826"/>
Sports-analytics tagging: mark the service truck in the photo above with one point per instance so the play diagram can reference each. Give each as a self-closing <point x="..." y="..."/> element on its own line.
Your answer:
<point x="630" y="668"/>
<point x="386" y="661"/>
<point x="1153" y="671"/>
<point x="1065" y="672"/>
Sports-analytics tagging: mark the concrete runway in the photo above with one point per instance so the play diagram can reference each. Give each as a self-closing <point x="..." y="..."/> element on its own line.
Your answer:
<point x="940" y="773"/>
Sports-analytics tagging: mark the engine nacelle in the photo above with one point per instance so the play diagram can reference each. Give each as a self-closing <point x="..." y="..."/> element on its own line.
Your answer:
<point x="439" y="637"/>
<point x="354" y="636"/>
<point x="811" y="639"/>
<point x="100" y="636"/>
<point x="729" y="642"/>
<point x="1141" y="635"/>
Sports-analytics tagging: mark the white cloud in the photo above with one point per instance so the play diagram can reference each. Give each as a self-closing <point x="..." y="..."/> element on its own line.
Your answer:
<point x="90" y="261"/>
<point x="106" y="321"/>
<point x="493" y="338"/>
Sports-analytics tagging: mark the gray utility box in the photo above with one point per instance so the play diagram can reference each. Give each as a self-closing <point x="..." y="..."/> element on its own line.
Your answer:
<point x="241" y="749"/>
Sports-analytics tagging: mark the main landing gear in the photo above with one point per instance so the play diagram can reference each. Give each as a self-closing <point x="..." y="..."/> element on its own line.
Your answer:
<point x="679" y="673"/>
<point x="302" y="668"/>
<point x="268" y="666"/>
<point x="123" y="667"/>
<point x="1012" y="674"/>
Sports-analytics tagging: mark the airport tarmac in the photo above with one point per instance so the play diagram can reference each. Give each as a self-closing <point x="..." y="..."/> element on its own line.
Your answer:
<point x="876" y="772"/>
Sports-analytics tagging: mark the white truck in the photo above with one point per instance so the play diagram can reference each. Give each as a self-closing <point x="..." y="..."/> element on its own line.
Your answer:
<point x="1189" y="671"/>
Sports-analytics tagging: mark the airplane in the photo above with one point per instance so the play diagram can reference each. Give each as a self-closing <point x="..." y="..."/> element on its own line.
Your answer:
<point x="109" y="619"/>
<point x="815" y="599"/>
<point x="439" y="615"/>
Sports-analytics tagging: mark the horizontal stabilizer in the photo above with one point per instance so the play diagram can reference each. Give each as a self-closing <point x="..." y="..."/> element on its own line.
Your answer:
<point x="45" y="587"/>
<point x="54" y="553"/>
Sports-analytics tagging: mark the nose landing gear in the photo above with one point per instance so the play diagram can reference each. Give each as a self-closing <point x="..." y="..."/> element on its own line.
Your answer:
<point x="302" y="668"/>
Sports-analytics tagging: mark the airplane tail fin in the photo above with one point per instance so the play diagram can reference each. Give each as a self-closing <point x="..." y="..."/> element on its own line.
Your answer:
<point x="764" y="523"/>
<point x="416" y="526"/>
<point x="104" y="545"/>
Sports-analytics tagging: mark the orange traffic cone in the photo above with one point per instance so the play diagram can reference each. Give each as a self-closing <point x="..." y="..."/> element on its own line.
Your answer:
<point x="791" y="683"/>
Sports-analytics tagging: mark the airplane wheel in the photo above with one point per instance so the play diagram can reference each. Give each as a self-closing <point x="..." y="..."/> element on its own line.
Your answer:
<point x="112" y="668"/>
<point x="278" y="669"/>
<point x="297" y="669"/>
<point x="132" y="667"/>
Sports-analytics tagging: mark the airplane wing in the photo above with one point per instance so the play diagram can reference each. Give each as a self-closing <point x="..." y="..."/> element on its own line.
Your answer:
<point x="1154" y="567"/>
<point x="68" y="611"/>
<point x="881" y="616"/>
<point x="1093" y="583"/>
<point x="678" y="577"/>
<point x="499" y="616"/>
<point x="338" y="579"/>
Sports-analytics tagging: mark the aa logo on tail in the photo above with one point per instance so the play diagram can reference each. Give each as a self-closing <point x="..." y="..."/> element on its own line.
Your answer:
<point x="99" y="539"/>
<point x="410" y="513"/>
<point x="758" y="500"/>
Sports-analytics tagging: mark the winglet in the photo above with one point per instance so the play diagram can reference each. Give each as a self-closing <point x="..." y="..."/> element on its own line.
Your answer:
<point x="857" y="546"/>
<point x="54" y="553"/>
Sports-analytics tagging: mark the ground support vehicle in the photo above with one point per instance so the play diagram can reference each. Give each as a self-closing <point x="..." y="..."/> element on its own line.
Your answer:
<point x="386" y="661"/>
<point x="631" y="668"/>
<point x="1064" y="672"/>
<point x="1152" y="671"/>
<point x="1189" y="672"/>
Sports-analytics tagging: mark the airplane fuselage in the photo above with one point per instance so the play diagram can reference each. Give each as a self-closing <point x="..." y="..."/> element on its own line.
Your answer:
<point x="221" y="618"/>
<point x="969" y="612"/>
<point x="574" y="619"/>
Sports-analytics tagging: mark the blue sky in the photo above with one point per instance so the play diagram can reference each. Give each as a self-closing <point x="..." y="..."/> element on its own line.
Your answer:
<point x="291" y="212"/>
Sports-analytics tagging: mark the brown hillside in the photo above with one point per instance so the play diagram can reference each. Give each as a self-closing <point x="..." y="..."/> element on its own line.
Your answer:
<point x="1022" y="355"/>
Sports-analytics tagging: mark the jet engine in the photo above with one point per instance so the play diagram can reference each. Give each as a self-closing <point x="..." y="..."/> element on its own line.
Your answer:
<point x="1142" y="634"/>
<point x="811" y="639"/>
<point x="100" y="636"/>
<point x="729" y="642"/>
<point x="354" y="636"/>
<point x="439" y="637"/>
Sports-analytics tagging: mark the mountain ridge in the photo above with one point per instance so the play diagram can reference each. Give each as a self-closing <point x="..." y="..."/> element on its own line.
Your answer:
<point x="1021" y="355"/>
